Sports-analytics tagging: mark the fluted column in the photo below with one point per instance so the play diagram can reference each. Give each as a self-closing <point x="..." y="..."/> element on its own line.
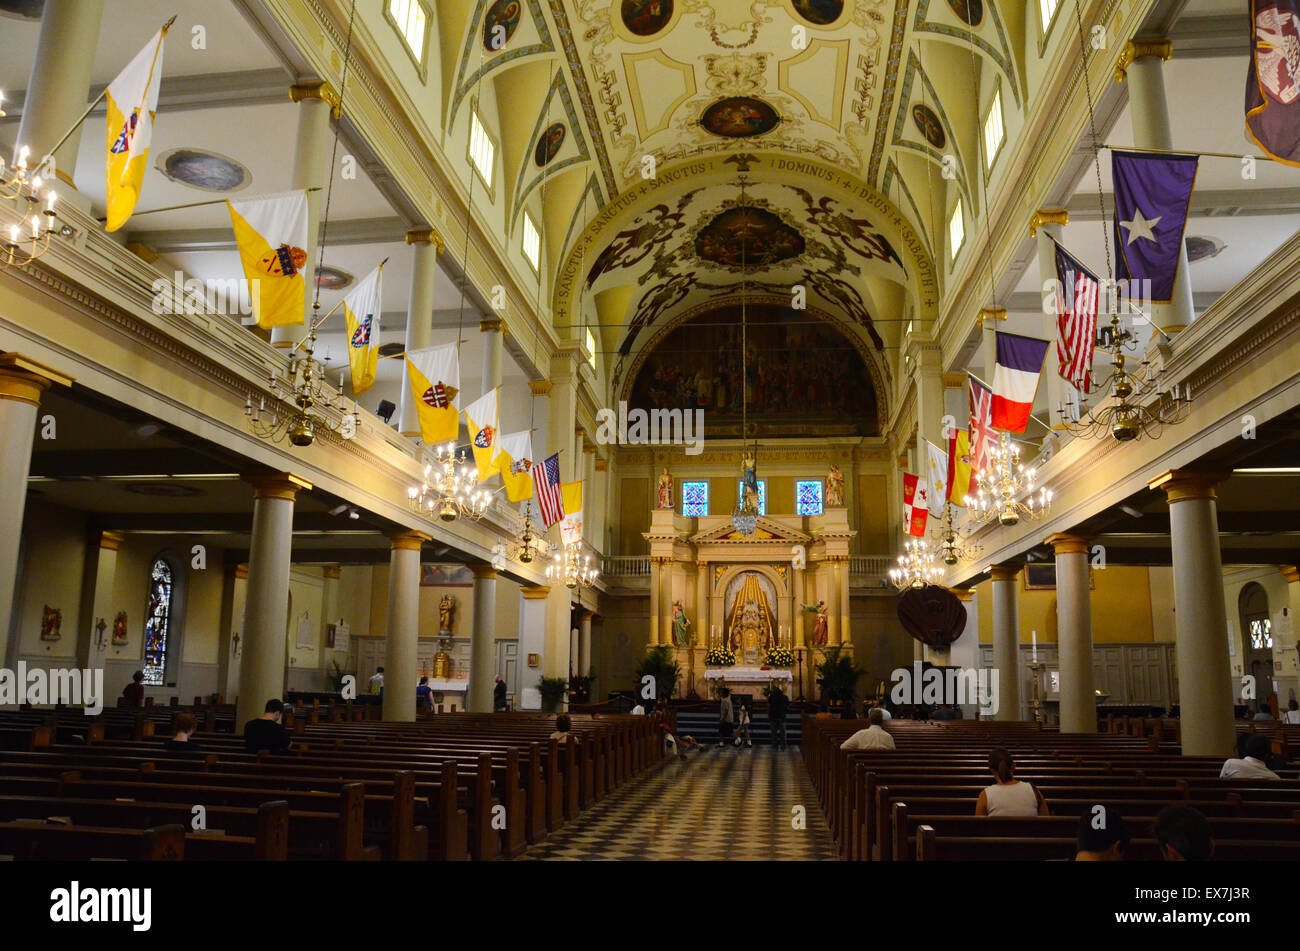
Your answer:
<point x="701" y="638"/>
<point x="1074" y="634"/>
<point x="655" y="580"/>
<point x="311" y="158"/>
<point x="1142" y="65"/>
<point x="846" y="612"/>
<point x="797" y="624"/>
<point x="401" y="664"/>
<point x="832" y="603"/>
<point x="57" y="85"/>
<point x="1006" y="641"/>
<point x="266" y="605"/>
<point x="1200" y="617"/>
<point x="22" y="381"/>
<point x="425" y="244"/>
<point x="482" y="651"/>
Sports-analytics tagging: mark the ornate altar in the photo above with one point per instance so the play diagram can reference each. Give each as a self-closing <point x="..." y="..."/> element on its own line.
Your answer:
<point x="750" y="621"/>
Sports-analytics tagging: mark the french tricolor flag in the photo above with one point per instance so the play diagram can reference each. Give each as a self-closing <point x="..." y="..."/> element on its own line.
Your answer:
<point x="1015" y="380"/>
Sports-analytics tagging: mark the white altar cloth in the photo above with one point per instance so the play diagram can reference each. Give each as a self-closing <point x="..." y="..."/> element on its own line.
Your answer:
<point x="748" y="675"/>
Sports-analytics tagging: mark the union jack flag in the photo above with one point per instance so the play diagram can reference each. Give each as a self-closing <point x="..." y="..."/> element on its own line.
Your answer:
<point x="546" y="486"/>
<point x="982" y="434"/>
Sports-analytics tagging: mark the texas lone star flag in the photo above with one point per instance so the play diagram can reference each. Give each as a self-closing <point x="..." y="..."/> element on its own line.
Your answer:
<point x="915" y="500"/>
<point x="1273" y="79"/>
<point x="514" y="462"/>
<point x="481" y="419"/>
<point x="1152" y="196"/>
<point x="132" y="103"/>
<point x="361" y="310"/>
<point x="434" y="373"/>
<point x="271" y="233"/>
<point x="1015" y="380"/>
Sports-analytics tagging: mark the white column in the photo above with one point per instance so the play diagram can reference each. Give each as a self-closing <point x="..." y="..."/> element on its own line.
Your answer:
<point x="1045" y="227"/>
<point x="483" y="643"/>
<point x="311" y="156"/>
<point x="598" y="516"/>
<point x="97" y="600"/>
<point x="22" y="382"/>
<point x="425" y="245"/>
<point x="532" y="643"/>
<point x="57" y="88"/>
<point x="990" y="321"/>
<point x="401" y="665"/>
<point x="1006" y="641"/>
<point x="575" y="650"/>
<point x="266" y="608"/>
<point x="1142" y="64"/>
<point x="1074" y="634"/>
<point x="1200" y="617"/>
<point x="584" y="644"/>
<point x="927" y="358"/>
<point x="494" y="335"/>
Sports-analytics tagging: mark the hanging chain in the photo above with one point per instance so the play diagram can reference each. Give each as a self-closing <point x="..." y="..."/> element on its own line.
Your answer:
<point x="329" y="189"/>
<point x="1092" y="130"/>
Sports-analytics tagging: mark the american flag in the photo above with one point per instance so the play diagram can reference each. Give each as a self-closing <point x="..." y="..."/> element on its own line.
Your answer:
<point x="1077" y="292"/>
<point x="546" y="486"/>
<point x="982" y="434"/>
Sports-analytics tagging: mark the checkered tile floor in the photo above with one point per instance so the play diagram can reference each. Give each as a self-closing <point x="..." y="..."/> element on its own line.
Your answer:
<point x="719" y="804"/>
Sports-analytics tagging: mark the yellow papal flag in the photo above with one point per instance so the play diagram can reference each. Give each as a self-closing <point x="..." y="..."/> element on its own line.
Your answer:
<point x="361" y="310"/>
<point x="959" y="466"/>
<point x="271" y="233"/>
<point x="571" y="524"/>
<point x="132" y="104"/>
<point x="434" y="373"/>
<point x="482" y="421"/>
<point x="514" y="462"/>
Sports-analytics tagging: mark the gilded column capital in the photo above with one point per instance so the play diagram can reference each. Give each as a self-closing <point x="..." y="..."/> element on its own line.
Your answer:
<point x="963" y="594"/>
<point x="109" y="541"/>
<point x="1047" y="216"/>
<point x="332" y="572"/>
<point x="1063" y="543"/>
<point x="991" y="313"/>
<point x="1181" y="485"/>
<point x="1004" y="572"/>
<point x="323" y="91"/>
<point x="1290" y="572"/>
<point x="241" y="572"/>
<point x="426" y="236"/>
<point x="24" y="380"/>
<point x="535" y="592"/>
<point x="483" y="572"/>
<point x="277" y="485"/>
<point x="954" y="381"/>
<point x="602" y="465"/>
<point x="492" y="325"/>
<point x="408" y="541"/>
<point x="1135" y="50"/>
<point x="540" y="387"/>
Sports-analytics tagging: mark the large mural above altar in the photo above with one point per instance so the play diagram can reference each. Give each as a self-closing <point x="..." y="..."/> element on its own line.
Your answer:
<point x="804" y="377"/>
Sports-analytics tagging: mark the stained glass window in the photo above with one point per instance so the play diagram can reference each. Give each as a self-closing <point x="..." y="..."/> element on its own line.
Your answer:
<point x="762" y="494"/>
<point x="157" y="624"/>
<point x="808" y="498"/>
<point x="695" y="499"/>
<point x="1261" y="634"/>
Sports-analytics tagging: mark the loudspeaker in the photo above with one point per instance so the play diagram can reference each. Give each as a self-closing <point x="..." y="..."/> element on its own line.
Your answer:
<point x="385" y="410"/>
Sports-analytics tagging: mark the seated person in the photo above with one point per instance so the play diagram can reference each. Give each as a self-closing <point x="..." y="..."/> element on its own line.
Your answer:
<point x="185" y="726"/>
<point x="1264" y="713"/>
<point x="1254" y="765"/>
<point x="947" y="712"/>
<point x="1292" y="714"/>
<point x="266" y="733"/>
<point x="133" y="693"/>
<point x="563" y="724"/>
<point x="1009" y="796"/>
<point x="1103" y="836"/>
<point x="424" y="696"/>
<point x="873" y="737"/>
<point x="884" y="710"/>
<point x="1183" y="835"/>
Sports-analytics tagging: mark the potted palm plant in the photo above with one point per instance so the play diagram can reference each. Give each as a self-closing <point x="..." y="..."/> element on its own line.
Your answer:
<point x="552" y="690"/>
<point x="838" y="676"/>
<point x="660" y="664"/>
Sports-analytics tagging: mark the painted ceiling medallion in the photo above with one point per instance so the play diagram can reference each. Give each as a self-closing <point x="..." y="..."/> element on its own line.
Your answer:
<point x="820" y="12"/>
<point x="23" y="9"/>
<point x="968" y="11"/>
<point x="500" y="23"/>
<point x="1201" y="248"/>
<point x="748" y="235"/>
<point x="332" y="278"/>
<point x="739" y="117"/>
<point x="929" y="125"/>
<point x="646" y="17"/>
<point x="205" y="170"/>
<point x="549" y="144"/>
<point x="391" y="349"/>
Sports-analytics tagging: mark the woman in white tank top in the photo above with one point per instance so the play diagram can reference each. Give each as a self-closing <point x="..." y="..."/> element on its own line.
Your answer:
<point x="1009" y="796"/>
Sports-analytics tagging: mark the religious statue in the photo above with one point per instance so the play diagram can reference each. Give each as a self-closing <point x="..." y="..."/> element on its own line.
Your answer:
<point x="820" y="633"/>
<point x="750" y="628"/>
<point x="664" y="490"/>
<point x="834" y="487"/>
<point x="119" y="629"/>
<point x="51" y="624"/>
<point x="680" y="625"/>
<point x="446" y="614"/>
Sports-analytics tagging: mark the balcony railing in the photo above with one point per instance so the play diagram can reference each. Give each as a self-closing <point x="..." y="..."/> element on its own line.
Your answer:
<point x="626" y="566"/>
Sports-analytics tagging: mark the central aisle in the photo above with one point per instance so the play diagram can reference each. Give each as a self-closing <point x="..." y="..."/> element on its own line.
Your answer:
<point x="733" y="804"/>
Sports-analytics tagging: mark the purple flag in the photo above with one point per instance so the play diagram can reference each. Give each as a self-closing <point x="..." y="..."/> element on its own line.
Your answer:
<point x="1272" y="84"/>
<point x="1152" y="195"/>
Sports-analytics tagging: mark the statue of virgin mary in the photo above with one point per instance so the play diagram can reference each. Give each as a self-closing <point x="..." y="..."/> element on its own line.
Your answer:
<point x="749" y="628"/>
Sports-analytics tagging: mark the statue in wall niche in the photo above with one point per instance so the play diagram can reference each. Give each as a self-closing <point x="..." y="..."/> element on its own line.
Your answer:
<point x="680" y="626"/>
<point x="446" y="614"/>
<point x="821" y="627"/>
<point x="834" y="487"/>
<point x="119" y="629"/>
<point x="664" y="490"/>
<point x="51" y="624"/>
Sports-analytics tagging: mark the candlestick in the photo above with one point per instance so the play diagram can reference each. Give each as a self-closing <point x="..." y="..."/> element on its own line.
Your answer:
<point x="1034" y="635"/>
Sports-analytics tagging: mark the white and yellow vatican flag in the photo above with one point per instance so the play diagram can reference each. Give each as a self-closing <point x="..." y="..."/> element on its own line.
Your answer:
<point x="271" y="233"/>
<point x="483" y="422"/>
<point x="571" y="524"/>
<point x="434" y="373"/>
<point x="937" y="474"/>
<point x="361" y="310"/>
<point x="132" y="104"/>
<point x="514" y="462"/>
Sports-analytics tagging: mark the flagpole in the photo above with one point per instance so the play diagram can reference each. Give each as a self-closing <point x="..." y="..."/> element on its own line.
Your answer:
<point x="1232" y="155"/>
<point x="990" y="389"/>
<point x="196" y="204"/>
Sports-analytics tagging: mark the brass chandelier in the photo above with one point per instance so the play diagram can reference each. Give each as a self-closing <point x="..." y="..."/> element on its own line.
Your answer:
<point x="1006" y="488"/>
<point x="1132" y="403"/>
<point x="449" y="489"/>
<point x="28" y="239"/>
<point x="572" y="566"/>
<point x="917" y="566"/>
<point x="952" y="546"/>
<point x="295" y="410"/>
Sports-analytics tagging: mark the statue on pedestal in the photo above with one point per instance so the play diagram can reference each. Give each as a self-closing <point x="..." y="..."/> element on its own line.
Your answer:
<point x="664" y="490"/>
<point x="821" y="627"/>
<point x="446" y="614"/>
<point x="834" y="487"/>
<point x="680" y="625"/>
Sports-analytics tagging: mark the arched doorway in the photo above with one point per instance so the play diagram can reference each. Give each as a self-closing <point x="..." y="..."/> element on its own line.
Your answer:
<point x="1257" y="631"/>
